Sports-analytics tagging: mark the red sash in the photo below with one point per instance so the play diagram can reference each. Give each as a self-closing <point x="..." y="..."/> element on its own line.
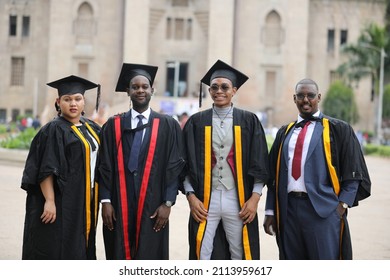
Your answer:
<point x="123" y="185"/>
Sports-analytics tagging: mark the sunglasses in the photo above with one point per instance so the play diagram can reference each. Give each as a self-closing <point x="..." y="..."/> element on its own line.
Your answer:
<point x="215" y="88"/>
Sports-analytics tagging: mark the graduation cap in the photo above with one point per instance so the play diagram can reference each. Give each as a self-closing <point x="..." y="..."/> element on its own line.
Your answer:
<point x="129" y="71"/>
<point x="222" y="70"/>
<point x="74" y="84"/>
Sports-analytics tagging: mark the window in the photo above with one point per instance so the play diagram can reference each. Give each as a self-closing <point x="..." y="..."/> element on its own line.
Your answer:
<point x="15" y="114"/>
<point x="178" y="28"/>
<point x="343" y="36"/>
<point x="12" y="25"/>
<point x="84" y="24"/>
<point x="270" y="83"/>
<point x="334" y="76"/>
<point x="3" y="115"/>
<point x="17" y="71"/>
<point x="169" y="28"/>
<point x="273" y="31"/>
<point x="177" y="79"/>
<point x="330" y="47"/>
<point x="189" y="29"/>
<point x="28" y="112"/>
<point x="83" y="69"/>
<point x="26" y="26"/>
<point x="180" y="3"/>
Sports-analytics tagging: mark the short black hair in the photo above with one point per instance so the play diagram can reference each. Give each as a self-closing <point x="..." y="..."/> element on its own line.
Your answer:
<point x="306" y="81"/>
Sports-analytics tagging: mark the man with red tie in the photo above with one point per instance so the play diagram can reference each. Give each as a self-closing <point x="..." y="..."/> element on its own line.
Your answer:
<point x="317" y="171"/>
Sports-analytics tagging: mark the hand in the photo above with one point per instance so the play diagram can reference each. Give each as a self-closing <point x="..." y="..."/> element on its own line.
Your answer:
<point x="49" y="212"/>
<point x="249" y="209"/>
<point x="269" y="225"/>
<point x="198" y="211"/>
<point x="340" y="209"/>
<point x="108" y="215"/>
<point x="162" y="216"/>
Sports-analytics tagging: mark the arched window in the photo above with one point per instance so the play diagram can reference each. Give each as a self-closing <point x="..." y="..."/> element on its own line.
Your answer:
<point x="84" y="25"/>
<point x="273" y="32"/>
<point x="180" y="3"/>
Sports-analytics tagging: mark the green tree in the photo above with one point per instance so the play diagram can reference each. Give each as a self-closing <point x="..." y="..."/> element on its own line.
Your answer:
<point x="363" y="57"/>
<point x="339" y="102"/>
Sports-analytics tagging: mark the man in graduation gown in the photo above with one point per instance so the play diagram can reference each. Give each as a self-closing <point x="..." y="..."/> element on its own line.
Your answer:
<point x="227" y="161"/>
<point x="59" y="171"/>
<point x="137" y="194"/>
<point x="308" y="210"/>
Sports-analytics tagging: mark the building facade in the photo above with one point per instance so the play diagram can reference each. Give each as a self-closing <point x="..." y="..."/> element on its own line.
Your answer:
<point x="275" y="42"/>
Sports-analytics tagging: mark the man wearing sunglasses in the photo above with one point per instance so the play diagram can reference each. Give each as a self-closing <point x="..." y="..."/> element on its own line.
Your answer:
<point x="317" y="172"/>
<point x="227" y="166"/>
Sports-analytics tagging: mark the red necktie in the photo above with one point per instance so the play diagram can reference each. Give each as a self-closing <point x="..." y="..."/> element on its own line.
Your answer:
<point x="296" y="164"/>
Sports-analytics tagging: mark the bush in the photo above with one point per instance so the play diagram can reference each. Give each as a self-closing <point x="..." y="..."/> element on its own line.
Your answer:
<point x="3" y="129"/>
<point x="377" y="150"/>
<point x="339" y="103"/>
<point x="19" y="141"/>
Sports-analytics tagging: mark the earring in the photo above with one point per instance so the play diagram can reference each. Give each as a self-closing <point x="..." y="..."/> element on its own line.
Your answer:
<point x="58" y="109"/>
<point x="82" y="113"/>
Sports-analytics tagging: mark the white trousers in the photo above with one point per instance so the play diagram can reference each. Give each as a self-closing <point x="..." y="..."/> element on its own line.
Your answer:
<point x="223" y="205"/>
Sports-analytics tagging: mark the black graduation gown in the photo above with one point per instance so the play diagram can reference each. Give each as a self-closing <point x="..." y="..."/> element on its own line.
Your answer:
<point x="135" y="198"/>
<point x="349" y="163"/>
<point x="60" y="151"/>
<point x="250" y="145"/>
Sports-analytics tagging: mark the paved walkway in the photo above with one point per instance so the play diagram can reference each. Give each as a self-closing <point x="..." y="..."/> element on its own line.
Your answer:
<point x="369" y="223"/>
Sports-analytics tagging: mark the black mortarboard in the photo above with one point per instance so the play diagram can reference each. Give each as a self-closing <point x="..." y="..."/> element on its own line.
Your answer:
<point x="129" y="71"/>
<point x="222" y="70"/>
<point x="73" y="84"/>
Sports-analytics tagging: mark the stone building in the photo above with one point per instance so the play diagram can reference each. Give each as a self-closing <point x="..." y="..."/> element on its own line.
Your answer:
<point x="275" y="42"/>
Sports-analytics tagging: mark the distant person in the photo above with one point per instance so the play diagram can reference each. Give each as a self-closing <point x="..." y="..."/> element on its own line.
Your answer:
<point x="59" y="178"/>
<point x="36" y="122"/>
<point x="100" y="117"/>
<point x="23" y="124"/>
<point x="29" y="121"/>
<point x="183" y="119"/>
<point x="317" y="172"/>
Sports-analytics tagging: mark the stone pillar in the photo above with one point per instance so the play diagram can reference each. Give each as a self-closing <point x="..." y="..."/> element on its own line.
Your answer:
<point x="221" y="31"/>
<point x="136" y="35"/>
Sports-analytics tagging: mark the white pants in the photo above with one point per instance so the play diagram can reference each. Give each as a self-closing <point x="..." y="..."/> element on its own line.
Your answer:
<point x="223" y="205"/>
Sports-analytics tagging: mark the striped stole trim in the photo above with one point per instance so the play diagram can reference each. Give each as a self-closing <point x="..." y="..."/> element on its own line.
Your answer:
<point x="87" y="181"/>
<point x="96" y="185"/>
<point x="328" y="156"/>
<point x="277" y="207"/>
<point x="146" y="176"/>
<point x="122" y="187"/>
<point x="207" y="186"/>
<point x="240" y="188"/>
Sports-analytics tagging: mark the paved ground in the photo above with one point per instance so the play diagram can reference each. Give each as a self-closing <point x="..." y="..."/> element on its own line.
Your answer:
<point x="369" y="223"/>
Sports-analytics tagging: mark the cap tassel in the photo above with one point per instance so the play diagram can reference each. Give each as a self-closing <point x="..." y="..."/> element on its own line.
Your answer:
<point x="200" y="95"/>
<point x="97" y="98"/>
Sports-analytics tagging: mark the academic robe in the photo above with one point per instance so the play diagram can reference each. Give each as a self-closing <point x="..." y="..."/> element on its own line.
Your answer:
<point x="249" y="161"/>
<point x="59" y="149"/>
<point x="136" y="197"/>
<point x="345" y="161"/>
